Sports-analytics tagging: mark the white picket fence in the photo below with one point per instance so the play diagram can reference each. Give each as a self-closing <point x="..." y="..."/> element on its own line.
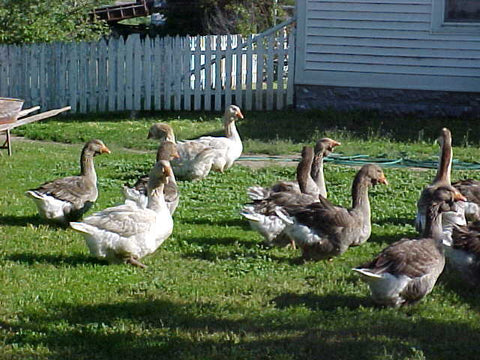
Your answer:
<point x="169" y="73"/>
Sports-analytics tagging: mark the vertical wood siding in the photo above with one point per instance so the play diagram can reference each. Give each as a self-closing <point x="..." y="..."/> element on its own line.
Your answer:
<point x="171" y="73"/>
<point x="382" y="43"/>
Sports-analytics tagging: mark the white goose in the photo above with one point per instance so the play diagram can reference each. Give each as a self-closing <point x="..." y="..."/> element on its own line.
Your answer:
<point x="67" y="199"/>
<point x="126" y="233"/>
<point x="199" y="156"/>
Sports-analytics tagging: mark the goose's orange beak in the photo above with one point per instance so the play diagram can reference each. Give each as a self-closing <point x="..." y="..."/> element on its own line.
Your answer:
<point x="383" y="180"/>
<point x="104" y="150"/>
<point x="459" y="197"/>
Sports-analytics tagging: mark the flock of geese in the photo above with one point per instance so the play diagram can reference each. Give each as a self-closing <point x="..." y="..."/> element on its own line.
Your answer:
<point x="295" y="213"/>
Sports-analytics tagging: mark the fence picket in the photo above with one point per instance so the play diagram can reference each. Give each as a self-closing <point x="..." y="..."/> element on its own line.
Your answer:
<point x="218" y="73"/>
<point x="281" y="59"/>
<point x="270" y="59"/>
<point x="249" y="75"/>
<point x="137" y="71"/>
<point x="239" y="70"/>
<point x="291" y="68"/>
<point x="207" y="99"/>
<point x="197" y="64"/>
<point x="158" y="72"/>
<point x="102" y="53"/>
<point x="121" y="75"/>
<point x="147" y="74"/>
<point x="228" y="70"/>
<point x="112" y="74"/>
<point x="186" y="70"/>
<point x="259" y="83"/>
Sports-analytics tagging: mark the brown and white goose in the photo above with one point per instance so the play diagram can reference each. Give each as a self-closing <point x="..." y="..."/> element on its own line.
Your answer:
<point x="442" y="178"/>
<point x="323" y="230"/>
<point x="138" y="193"/>
<point x="67" y="199"/>
<point x="261" y="213"/>
<point x="406" y="271"/>
<point x="315" y="180"/>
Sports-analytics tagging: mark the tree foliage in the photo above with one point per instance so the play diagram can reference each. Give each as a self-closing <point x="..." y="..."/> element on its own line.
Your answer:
<point x="221" y="16"/>
<point x="28" y="21"/>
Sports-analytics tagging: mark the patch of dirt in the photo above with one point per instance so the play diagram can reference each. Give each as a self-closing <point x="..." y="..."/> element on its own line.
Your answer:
<point x="254" y="161"/>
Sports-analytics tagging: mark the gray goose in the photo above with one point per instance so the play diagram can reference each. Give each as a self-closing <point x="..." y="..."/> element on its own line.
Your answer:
<point x="405" y="271"/>
<point x="261" y="213"/>
<point x="138" y="193"/>
<point x="315" y="184"/>
<point x="442" y="178"/>
<point x="67" y="199"/>
<point x="323" y="230"/>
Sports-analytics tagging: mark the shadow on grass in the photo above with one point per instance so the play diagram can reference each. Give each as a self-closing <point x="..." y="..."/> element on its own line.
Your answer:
<point x="453" y="281"/>
<point x="34" y="220"/>
<point x="389" y="239"/>
<point x="226" y="241"/>
<point x="317" y="302"/>
<point x="154" y="329"/>
<point x="57" y="260"/>
<point x="219" y="222"/>
<point x="395" y="221"/>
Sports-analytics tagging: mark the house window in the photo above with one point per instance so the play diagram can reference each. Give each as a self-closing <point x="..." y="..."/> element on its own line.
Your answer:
<point x="462" y="11"/>
<point x="456" y="16"/>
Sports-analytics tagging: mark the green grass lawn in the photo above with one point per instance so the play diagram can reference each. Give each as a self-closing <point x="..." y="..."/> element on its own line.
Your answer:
<point x="213" y="291"/>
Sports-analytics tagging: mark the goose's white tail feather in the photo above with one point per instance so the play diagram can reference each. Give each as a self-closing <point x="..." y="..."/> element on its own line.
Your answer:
<point x="257" y="193"/>
<point x="283" y="215"/>
<point x="368" y="274"/>
<point x="268" y="226"/>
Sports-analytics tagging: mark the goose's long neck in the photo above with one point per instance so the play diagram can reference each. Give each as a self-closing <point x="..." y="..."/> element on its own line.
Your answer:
<point x="305" y="182"/>
<point x="360" y="201"/>
<point x="317" y="174"/>
<point x="445" y="164"/>
<point x="87" y="169"/>
<point x="231" y="130"/>
<point x="156" y="199"/>
<point x="433" y="227"/>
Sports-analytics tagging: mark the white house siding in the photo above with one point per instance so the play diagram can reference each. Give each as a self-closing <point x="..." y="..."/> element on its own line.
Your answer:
<point x="382" y="44"/>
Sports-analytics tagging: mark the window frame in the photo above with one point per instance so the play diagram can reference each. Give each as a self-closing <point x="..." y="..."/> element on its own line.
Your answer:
<point x="439" y="25"/>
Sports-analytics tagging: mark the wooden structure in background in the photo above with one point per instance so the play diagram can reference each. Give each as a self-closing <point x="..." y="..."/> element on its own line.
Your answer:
<point x="20" y="120"/>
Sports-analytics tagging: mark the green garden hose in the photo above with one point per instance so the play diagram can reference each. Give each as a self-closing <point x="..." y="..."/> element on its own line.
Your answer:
<point x="358" y="160"/>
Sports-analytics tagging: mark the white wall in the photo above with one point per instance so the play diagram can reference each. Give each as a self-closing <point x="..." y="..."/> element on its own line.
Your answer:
<point x="384" y="44"/>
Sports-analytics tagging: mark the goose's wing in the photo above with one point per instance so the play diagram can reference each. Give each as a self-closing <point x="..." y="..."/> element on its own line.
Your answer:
<point x="215" y="142"/>
<point x="73" y="189"/>
<point x="125" y="220"/>
<point x="323" y="216"/>
<point x="467" y="238"/>
<point x="410" y="257"/>
<point x="282" y="199"/>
